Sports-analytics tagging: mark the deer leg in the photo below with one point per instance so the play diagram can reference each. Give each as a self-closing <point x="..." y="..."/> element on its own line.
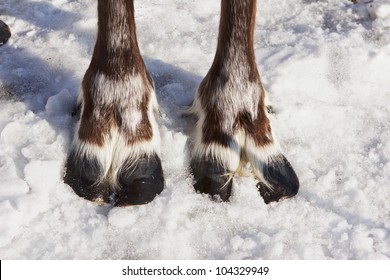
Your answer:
<point x="116" y="144"/>
<point x="233" y="126"/>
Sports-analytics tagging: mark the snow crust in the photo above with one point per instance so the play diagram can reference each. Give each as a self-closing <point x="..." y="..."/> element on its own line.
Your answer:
<point x="326" y="68"/>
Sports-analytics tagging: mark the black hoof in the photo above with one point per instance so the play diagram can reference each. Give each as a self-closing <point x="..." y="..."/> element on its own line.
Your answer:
<point x="84" y="176"/>
<point x="5" y="33"/>
<point x="140" y="182"/>
<point x="280" y="175"/>
<point x="211" y="178"/>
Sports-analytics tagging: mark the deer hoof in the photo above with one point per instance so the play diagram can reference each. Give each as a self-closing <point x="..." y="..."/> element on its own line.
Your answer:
<point x="140" y="181"/>
<point x="281" y="180"/>
<point x="212" y="178"/>
<point x="5" y="33"/>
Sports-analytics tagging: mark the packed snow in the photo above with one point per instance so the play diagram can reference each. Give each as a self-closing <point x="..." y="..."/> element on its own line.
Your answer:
<point x="326" y="68"/>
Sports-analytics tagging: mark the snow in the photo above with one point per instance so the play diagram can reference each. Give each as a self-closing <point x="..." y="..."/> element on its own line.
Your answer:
<point x="325" y="65"/>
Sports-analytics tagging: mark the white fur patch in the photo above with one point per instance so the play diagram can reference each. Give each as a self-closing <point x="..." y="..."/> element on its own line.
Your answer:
<point x="125" y="95"/>
<point x="258" y="156"/>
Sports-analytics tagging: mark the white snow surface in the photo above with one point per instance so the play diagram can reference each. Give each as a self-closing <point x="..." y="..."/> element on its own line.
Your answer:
<point x="326" y="68"/>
